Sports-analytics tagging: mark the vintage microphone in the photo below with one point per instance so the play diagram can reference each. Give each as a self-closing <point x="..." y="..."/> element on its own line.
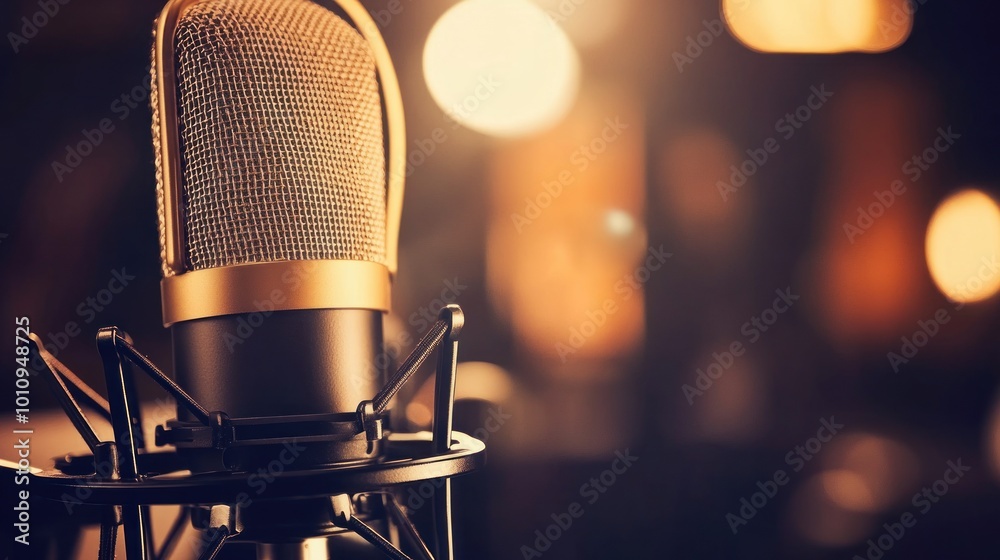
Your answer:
<point x="279" y="216"/>
<point x="278" y="232"/>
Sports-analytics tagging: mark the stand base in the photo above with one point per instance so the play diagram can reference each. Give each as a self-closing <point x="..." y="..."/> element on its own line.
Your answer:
<point x="409" y="458"/>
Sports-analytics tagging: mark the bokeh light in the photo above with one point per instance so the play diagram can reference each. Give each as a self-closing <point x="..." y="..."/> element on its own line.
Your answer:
<point x="566" y="251"/>
<point x="868" y="473"/>
<point x="619" y="223"/>
<point x="863" y="275"/>
<point x="864" y="475"/>
<point x="734" y="412"/>
<point x="819" y="26"/>
<point x="482" y="381"/>
<point x="963" y="240"/>
<point x="848" y="490"/>
<point x="817" y="519"/>
<point x="501" y="67"/>
<point x="588" y="24"/>
<point x="689" y="167"/>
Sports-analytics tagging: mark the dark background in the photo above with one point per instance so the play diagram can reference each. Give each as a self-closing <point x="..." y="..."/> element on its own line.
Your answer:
<point x="825" y="357"/>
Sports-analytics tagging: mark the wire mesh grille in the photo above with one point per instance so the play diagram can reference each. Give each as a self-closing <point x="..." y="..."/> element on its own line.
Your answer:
<point x="281" y="136"/>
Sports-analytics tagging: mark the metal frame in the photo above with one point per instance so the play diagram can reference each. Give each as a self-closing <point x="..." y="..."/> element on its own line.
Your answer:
<point x="126" y="491"/>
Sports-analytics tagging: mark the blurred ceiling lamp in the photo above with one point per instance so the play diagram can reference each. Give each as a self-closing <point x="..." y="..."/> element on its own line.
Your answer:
<point x="501" y="67"/>
<point x="819" y="26"/>
<point x="963" y="242"/>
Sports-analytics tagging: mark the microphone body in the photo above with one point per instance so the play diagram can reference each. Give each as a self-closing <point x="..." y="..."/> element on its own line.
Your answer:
<point x="294" y="363"/>
<point x="277" y="224"/>
<point x="269" y="373"/>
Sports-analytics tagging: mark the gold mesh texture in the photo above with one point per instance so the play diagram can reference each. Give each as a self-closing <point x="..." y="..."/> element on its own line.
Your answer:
<point x="154" y="100"/>
<point x="281" y="136"/>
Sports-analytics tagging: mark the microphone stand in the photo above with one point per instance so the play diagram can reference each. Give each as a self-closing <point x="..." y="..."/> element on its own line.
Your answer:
<point x="121" y="477"/>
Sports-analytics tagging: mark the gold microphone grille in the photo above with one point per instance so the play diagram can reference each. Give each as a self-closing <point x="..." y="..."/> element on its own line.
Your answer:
<point x="281" y="145"/>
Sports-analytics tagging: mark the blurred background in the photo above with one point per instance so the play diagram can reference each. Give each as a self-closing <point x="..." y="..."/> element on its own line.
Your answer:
<point x="728" y="268"/>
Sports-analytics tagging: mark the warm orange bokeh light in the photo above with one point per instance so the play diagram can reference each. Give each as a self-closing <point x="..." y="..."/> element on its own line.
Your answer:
<point x="848" y="490"/>
<point x="819" y="26"/>
<point x="868" y="473"/>
<point x="567" y="235"/>
<point x="963" y="240"/>
<point x="588" y="24"/>
<point x="818" y="519"/>
<point x="690" y="165"/>
<point x="501" y="68"/>
<point x="865" y="277"/>
<point x="482" y="381"/>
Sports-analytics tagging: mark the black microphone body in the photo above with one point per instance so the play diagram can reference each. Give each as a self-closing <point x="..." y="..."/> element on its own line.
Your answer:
<point x="300" y="362"/>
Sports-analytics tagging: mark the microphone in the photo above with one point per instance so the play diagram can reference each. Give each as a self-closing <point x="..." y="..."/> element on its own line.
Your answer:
<point x="278" y="230"/>
<point x="278" y="212"/>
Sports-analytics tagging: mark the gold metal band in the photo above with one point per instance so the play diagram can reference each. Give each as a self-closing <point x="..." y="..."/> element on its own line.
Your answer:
<point x="275" y="286"/>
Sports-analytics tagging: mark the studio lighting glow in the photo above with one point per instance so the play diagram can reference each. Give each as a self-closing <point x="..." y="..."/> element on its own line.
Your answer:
<point x="501" y="67"/>
<point x="963" y="240"/>
<point x="819" y="26"/>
